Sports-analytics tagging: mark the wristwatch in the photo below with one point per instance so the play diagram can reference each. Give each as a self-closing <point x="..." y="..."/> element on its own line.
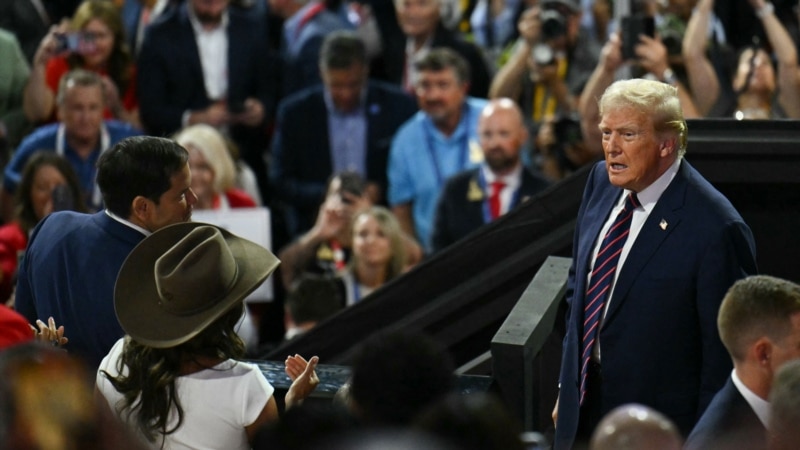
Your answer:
<point x="668" y="76"/>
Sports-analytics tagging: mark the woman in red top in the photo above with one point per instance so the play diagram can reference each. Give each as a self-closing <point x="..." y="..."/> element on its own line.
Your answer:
<point x="35" y="199"/>
<point x="93" y="40"/>
<point x="213" y="170"/>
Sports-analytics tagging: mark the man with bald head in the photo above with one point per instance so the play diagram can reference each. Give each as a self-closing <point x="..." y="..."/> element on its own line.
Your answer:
<point x="635" y="427"/>
<point x="478" y="196"/>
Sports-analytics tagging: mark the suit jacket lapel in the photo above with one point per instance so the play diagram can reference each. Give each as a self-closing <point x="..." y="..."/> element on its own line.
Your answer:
<point x="190" y="44"/>
<point x="668" y="210"/>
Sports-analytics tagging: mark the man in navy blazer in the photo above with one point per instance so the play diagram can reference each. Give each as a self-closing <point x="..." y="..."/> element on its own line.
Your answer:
<point x="759" y="323"/>
<point x="231" y="84"/>
<point x="466" y="200"/>
<point x="345" y="124"/>
<point x="657" y="342"/>
<point x="71" y="264"/>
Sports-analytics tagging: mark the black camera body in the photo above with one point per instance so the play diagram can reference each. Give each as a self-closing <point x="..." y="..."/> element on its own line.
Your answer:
<point x="554" y="24"/>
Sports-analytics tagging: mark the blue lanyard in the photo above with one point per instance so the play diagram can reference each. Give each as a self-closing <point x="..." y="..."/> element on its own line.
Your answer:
<point x="462" y="162"/>
<point x="487" y="215"/>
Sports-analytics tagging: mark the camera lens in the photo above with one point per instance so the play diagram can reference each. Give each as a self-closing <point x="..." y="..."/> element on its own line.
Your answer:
<point x="543" y="55"/>
<point x="554" y="25"/>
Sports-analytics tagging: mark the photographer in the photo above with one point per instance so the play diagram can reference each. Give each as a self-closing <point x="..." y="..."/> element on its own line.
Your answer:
<point x="553" y="59"/>
<point x="650" y="57"/>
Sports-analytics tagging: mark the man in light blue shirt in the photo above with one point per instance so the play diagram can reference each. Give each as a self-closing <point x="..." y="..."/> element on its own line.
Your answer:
<point x="440" y="140"/>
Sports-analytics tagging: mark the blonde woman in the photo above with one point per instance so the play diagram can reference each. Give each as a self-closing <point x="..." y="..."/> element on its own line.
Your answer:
<point x="213" y="169"/>
<point x="378" y="253"/>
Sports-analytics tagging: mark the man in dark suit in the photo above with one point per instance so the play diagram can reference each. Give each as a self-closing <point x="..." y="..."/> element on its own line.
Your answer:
<point x="420" y="21"/>
<point x="477" y="196"/>
<point x="661" y="246"/>
<point x="206" y="62"/>
<point x="759" y="323"/>
<point x="72" y="260"/>
<point x="345" y="124"/>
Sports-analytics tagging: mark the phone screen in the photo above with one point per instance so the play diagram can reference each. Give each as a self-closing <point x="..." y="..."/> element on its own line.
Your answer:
<point x="632" y="27"/>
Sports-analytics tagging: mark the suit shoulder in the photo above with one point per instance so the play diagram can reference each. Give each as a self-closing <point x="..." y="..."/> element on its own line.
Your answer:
<point x="709" y="201"/>
<point x="534" y="181"/>
<point x="302" y="99"/>
<point x="460" y="179"/>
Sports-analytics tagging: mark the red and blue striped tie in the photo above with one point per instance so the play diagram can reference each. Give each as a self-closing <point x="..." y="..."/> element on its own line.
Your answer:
<point x="601" y="280"/>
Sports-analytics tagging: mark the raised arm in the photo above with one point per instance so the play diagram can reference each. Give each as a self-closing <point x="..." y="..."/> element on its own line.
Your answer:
<point x="788" y="76"/>
<point x="38" y="100"/>
<point x="601" y="78"/>
<point x="703" y="81"/>
<point x="653" y="57"/>
<point x="507" y="81"/>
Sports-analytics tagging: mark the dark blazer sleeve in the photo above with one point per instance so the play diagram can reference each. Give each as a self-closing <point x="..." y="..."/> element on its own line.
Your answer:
<point x="441" y="235"/>
<point x="387" y="108"/>
<point x="301" y="157"/>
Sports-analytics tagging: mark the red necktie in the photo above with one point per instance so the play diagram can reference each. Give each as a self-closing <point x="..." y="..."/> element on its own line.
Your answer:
<point x="494" y="199"/>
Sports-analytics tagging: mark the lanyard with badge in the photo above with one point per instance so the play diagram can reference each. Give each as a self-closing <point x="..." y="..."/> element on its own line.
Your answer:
<point x="467" y="149"/>
<point x="105" y="142"/>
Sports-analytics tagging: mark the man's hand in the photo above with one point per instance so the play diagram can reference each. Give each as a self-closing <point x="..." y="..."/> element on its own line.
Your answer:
<point x="253" y="114"/>
<point x="215" y="115"/>
<point x="529" y="26"/>
<point x="652" y="55"/>
<point x="611" y="54"/>
<point x="330" y="219"/>
<point x="555" y="411"/>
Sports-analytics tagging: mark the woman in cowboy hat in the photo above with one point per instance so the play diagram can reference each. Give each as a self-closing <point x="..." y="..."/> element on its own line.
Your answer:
<point x="175" y="378"/>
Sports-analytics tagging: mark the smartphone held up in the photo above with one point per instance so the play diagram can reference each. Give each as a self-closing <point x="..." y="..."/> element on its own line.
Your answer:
<point x="75" y="42"/>
<point x="632" y="28"/>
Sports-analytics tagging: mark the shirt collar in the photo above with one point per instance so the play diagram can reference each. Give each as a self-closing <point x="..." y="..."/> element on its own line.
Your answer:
<point x="333" y="110"/>
<point x="128" y="223"/>
<point x="512" y="180"/>
<point x="650" y="195"/>
<point x="198" y="27"/>
<point x="758" y="404"/>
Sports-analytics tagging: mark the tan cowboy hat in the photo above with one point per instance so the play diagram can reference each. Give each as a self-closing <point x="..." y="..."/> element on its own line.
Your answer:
<point x="182" y="278"/>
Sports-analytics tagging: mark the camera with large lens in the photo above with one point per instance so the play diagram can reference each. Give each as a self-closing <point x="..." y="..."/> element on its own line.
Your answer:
<point x="554" y="24"/>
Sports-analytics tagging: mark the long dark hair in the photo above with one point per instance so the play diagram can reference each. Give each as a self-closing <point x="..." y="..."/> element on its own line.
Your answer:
<point x="149" y="388"/>
<point x="24" y="210"/>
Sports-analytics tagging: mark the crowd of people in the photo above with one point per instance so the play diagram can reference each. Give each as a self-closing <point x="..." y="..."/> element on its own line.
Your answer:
<point x="378" y="134"/>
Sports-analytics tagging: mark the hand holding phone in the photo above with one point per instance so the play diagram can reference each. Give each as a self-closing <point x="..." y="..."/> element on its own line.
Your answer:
<point x="632" y="27"/>
<point x="74" y="42"/>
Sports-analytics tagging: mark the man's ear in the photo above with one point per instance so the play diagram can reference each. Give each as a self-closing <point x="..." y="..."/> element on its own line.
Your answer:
<point x="667" y="147"/>
<point x="141" y="207"/>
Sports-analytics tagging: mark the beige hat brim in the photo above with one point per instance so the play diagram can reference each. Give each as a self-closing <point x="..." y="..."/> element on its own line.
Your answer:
<point x="136" y="299"/>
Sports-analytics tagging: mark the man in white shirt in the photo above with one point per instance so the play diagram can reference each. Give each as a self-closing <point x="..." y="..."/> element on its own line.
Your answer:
<point x="759" y="323"/>
<point x="206" y="62"/>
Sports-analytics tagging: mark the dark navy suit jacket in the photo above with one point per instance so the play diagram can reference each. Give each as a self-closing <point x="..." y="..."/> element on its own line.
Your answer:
<point x="170" y="77"/>
<point x="728" y="423"/>
<point x="301" y="151"/>
<point x="659" y="341"/>
<point x="69" y="271"/>
<point x="457" y="215"/>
